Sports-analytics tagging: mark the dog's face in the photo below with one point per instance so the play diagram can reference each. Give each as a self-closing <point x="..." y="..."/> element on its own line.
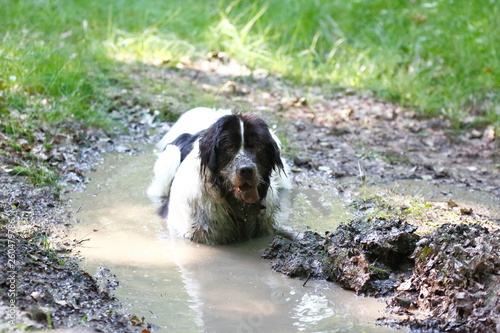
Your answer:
<point x="240" y="153"/>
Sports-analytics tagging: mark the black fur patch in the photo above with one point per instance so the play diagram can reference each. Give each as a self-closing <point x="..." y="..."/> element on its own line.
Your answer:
<point x="185" y="143"/>
<point x="218" y="145"/>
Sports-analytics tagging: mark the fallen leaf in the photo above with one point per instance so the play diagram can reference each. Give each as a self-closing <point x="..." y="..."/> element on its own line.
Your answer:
<point x="475" y="134"/>
<point x="229" y="87"/>
<point x="465" y="211"/>
<point x="299" y="101"/>
<point x="418" y="18"/>
<point x="406" y="285"/>
<point x="489" y="134"/>
<point x="135" y="321"/>
<point x="37" y="296"/>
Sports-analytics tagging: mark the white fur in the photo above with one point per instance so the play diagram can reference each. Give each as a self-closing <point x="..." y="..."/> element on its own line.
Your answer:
<point x="165" y="169"/>
<point x="189" y="195"/>
<point x="186" y="188"/>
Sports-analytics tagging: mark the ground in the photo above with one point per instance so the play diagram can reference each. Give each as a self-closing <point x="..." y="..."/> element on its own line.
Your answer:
<point x="330" y="133"/>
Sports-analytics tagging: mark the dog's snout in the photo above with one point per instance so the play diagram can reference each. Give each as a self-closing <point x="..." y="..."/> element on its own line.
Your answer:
<point x="247" y="171"/>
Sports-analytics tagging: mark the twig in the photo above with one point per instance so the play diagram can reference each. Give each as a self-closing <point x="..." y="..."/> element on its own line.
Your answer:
<point x="361" y="174"/>
<point x="288" y="234"/>
<point x="81" y="241"/>
<point x="308" y="277"/>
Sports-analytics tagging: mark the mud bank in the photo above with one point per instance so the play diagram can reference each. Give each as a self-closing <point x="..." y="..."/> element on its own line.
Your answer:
<point x="41" y="282"/>
<point x="42" y="285"/>
<point x="444" y="281"/>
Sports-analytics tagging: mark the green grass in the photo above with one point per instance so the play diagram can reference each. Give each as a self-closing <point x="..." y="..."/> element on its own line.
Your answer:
<point x="38" y="174"/>
<point x="438" y="57"/>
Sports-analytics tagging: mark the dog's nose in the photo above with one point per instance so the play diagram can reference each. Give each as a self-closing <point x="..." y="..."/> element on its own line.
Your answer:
<point x="247" y="171"/>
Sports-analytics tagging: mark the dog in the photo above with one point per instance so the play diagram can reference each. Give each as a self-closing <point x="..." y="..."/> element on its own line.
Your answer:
<point x="220" y="176"/>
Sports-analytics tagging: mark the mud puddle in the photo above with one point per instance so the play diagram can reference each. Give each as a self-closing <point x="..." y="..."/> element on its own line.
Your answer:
<point x="182" y="286"/>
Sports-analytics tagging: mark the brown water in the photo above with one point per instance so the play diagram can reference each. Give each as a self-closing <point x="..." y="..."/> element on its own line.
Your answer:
<point x="186" y="287"/>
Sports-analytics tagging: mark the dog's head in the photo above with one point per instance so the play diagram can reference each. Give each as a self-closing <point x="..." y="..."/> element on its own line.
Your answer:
<point x="239" y="153"/>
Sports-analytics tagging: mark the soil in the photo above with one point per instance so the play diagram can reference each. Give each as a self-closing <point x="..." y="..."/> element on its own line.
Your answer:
<point x="443" y="278"/>
<point x="446" y="282"/>
<point x="366" y="255"/>
<point x="455" y="281"/>
<point x="42" y="285"/>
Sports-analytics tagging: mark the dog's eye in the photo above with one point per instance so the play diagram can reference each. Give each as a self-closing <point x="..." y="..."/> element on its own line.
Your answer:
<point x="230" y="150"/>
<point x="255" y="148"/>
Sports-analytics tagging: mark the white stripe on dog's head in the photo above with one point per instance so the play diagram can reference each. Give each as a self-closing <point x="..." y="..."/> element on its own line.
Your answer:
<point x="241" y="151"/>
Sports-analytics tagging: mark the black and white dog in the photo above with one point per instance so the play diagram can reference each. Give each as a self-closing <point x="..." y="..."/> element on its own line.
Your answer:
<point x="220" y="176"/>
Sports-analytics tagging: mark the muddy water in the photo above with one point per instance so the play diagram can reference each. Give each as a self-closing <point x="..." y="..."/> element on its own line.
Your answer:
<point x="185" y="287"/>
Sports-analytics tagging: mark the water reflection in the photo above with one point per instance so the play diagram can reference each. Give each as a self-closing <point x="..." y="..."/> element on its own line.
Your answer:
<point x="312" y="309"/>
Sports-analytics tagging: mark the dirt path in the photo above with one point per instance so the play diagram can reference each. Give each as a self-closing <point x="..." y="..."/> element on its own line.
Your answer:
<point x="331" y="133"/>
<point x="343" y="129"/>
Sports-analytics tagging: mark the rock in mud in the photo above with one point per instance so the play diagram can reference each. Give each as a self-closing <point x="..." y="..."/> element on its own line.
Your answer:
<point x="455" y="283"/>
<point x="301" y="258"/>
<point x="367" y="255"/>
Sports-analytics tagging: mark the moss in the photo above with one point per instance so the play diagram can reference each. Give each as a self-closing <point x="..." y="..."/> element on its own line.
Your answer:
<point x="425" y="253"/>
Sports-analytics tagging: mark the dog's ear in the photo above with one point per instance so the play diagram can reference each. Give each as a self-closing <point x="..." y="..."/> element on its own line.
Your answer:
<point x="274" y="154"/>
<point x="208" y="150"/>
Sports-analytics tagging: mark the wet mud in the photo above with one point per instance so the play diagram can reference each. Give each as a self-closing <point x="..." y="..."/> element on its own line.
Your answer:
<point x="455" y="281"/>
<point x="445" y="281"/>
<point x="42" y="283"/>
<point x="369" y="256"/>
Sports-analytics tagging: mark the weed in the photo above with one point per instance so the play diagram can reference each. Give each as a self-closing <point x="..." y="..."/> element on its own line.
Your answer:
<point x="380" y="273"/>
<point x="234" y="34"/>
<point x="42" y="239"/>
<point x="417" y="209"/>
<point x="436" y="56"/>
<point x="38" y="174"/>
<point x="149" y="46"/>
<point x="50" y="324"/>
<point x="22" y="327"/>
<point x="425" y="253"/>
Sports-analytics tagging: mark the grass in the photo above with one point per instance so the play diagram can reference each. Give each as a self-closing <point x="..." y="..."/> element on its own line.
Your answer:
<point x="38" y="174"/>
<point x="439" y="57"/>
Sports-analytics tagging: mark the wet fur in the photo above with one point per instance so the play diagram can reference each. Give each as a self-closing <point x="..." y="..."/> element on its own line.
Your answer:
<point x="206" y="196"/>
